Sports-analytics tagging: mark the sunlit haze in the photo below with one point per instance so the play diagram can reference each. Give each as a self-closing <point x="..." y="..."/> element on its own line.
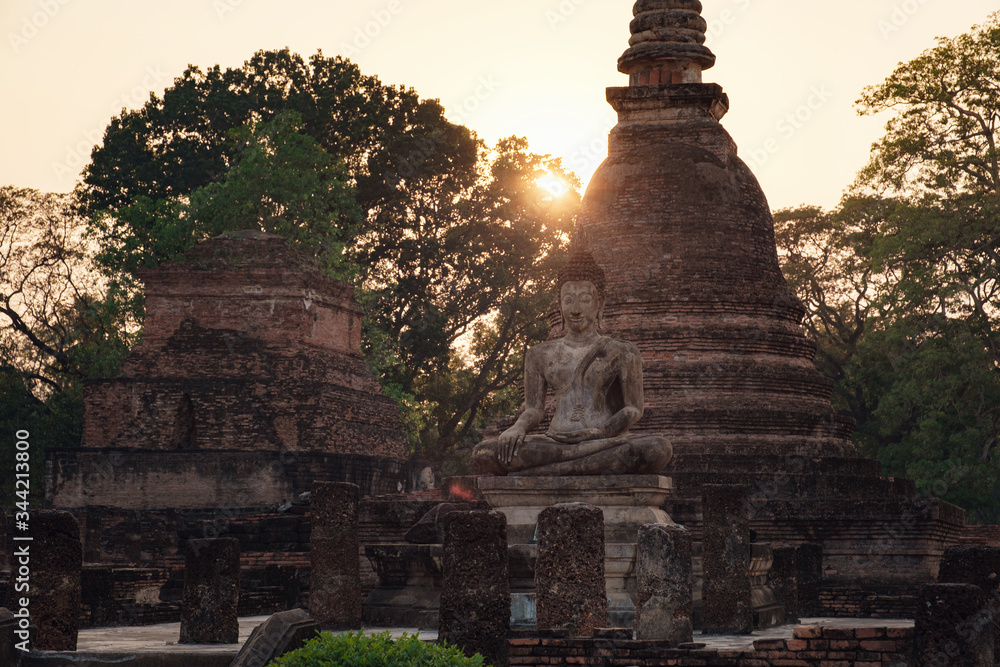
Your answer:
<point x="535" y="68"/>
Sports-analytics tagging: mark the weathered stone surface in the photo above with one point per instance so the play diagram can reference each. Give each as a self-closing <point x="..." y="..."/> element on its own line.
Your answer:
<point x="783" y="580"/>
<point x="726" y="593"/>
<point x="980" y="566"/>
<point x="55" y="560"/>
<point x="971" y="564"/>
<point x="569" y="572"/>
<point x="953" y="627"/>
<point x="279" y="634"/>
<point x="335" y="584"/>
<point x="211" y="592"/>
<point x="809" y="577"/>
<point x="664" y="584"/>
<point x="667" y="44"/>
<point x="203" y="478"/>
<point x="8" y="624"/>
<point x="475" y="600"/>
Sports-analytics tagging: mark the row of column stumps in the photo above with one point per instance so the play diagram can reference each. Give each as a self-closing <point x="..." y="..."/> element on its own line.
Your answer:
<point x="958" y="622"/>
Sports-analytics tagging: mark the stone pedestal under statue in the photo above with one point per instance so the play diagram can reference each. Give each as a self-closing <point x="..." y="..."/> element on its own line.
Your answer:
<point x="628" y="503"/>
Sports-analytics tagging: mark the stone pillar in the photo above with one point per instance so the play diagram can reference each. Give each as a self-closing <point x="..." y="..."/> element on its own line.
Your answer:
<point x="569" y="573"/>
<point x="979" y="566"/>
<point x="809" y="562"/>
<point x="664" y="584"/>
<point x="55" y="560"/>
<point x="335" y="581"/>
<point x="953" y="627"/>
<point x="475" y="599"/>
<point x="726" y="592"/>
<point x="783" y="580"/>
<point x="211" y="592"/>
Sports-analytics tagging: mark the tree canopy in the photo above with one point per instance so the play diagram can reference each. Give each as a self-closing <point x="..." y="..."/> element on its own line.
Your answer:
<point x="901" y="280"/>
<point x="450" y="243"/>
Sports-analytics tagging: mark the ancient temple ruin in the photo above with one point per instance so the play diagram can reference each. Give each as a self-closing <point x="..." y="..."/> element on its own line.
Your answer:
<point x="248" y="385"/>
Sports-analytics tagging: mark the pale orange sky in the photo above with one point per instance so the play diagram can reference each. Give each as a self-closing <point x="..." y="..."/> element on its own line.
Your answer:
<point x="536" y="68"/>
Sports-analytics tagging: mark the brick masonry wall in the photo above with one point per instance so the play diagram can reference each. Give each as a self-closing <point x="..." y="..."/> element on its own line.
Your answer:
<point x="132" y="479"/>
<point x="987" y="536"/>
<point x="810" y="647"/>
<point x="246" y="346"/>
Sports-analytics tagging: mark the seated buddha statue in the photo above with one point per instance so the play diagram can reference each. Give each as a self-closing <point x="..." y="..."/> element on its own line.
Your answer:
<point x="597" y="382"/>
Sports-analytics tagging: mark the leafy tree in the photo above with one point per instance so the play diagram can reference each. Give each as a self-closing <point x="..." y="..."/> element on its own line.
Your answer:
<point x="447" y="240"/>
<point x="483" y="275"/>
<point x="57" y="328"/>
<point x="940" y="166"/>
<point x="942" y="138"/>
<point x="281" y="181"/>
<point x="901" y="279"/>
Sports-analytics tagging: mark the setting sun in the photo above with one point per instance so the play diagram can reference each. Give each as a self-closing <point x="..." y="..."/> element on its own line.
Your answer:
<point x="554" y="185"/>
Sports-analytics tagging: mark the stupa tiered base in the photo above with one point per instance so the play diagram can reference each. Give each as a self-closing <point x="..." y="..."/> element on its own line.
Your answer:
<point x="628" y="502"/>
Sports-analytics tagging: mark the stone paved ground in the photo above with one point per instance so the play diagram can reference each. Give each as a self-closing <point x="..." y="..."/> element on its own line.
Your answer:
<point x="163" y="638"/>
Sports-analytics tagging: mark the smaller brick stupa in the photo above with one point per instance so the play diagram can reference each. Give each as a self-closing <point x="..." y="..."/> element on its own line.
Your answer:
<point x="248" y="385"/>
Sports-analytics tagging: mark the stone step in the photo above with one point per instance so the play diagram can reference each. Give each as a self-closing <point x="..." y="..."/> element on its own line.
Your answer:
<point x="776" y="484"/>
<point x="739" y="462"/>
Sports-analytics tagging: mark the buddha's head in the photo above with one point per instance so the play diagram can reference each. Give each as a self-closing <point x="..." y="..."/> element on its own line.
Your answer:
<point x="581" y="292"/>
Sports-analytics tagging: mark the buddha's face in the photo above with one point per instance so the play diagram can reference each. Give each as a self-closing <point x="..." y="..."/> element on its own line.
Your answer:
<point x="580" y="304"/>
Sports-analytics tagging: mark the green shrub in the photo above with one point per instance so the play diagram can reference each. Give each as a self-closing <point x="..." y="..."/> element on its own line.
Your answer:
<point x="355" y="649"/>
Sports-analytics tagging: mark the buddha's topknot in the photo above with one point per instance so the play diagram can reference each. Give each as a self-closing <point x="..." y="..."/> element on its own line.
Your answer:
<point x="581" y="266"/>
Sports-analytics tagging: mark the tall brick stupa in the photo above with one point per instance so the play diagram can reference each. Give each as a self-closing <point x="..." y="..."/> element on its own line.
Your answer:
<point x="685" y="235"/>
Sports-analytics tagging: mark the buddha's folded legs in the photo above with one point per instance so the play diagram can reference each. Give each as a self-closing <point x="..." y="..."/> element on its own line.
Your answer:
<point x="541" y="455"/>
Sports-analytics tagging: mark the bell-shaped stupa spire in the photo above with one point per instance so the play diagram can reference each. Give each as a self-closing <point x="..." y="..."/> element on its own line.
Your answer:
<point x="664" y="62"/>
<point x="667" y="44"/>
